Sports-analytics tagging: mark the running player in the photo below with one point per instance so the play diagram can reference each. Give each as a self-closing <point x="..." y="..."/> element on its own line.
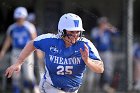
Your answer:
<point x="66" y="56"/>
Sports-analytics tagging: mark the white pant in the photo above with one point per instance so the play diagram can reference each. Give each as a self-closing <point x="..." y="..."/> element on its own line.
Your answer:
<point x="107" y="58"/>
<point x="45" y="87"/>
<point x="27" y="67"/>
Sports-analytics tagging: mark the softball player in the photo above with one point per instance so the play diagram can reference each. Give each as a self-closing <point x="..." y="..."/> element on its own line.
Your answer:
<point x="102" y="38"/>
<point x="66" y="56"/>
<point x="18" y="35"/>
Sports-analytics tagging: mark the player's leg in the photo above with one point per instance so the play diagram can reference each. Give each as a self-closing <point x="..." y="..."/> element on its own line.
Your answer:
<point x="109" y="66"/>
<point x="90" y="80"/>
<point x="137" y="75"/>
<point x="16" y="85"/>
<point x="29" y="77"/>
<point x="45" y="87"/>
<point x="108" y="73"/>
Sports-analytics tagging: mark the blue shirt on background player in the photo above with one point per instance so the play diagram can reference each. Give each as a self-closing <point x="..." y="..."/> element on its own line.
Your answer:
<point x="66" y="56"/>
<point x="18" y="35"/>
<point x="102" y="36"/>
<point x="21" y="34"/>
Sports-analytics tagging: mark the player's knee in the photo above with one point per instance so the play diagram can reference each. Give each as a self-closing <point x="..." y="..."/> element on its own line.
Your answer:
<point x="29" y="84"/>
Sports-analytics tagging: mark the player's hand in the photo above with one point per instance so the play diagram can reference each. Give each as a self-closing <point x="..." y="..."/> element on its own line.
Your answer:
<point x="85" y="53"/>
<point x="14" y="68"/>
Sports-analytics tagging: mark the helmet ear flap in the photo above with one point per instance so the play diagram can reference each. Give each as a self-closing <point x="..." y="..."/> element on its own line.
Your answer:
<point x="64" y="33"/>
<point x="81" y="34"/>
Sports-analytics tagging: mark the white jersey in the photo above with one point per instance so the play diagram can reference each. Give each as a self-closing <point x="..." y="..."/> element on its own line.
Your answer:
<point x="64" y="65"/>
<point x="21" y="34"/>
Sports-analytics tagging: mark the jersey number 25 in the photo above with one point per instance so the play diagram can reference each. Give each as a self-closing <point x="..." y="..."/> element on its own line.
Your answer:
<point x="62" y="70"/>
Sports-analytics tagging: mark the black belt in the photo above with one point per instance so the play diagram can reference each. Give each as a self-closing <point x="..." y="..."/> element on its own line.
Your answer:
<point x="67" y="89"/>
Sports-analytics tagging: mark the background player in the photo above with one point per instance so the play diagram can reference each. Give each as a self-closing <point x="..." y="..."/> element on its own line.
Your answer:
<point x="102" y="38"/>
<point x="18" y="34"/>
<point x="66" y="56"/>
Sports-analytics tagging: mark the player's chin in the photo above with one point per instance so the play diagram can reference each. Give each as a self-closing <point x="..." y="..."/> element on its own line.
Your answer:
<point x="71" y="43"/>
<point x="74" y="41"/>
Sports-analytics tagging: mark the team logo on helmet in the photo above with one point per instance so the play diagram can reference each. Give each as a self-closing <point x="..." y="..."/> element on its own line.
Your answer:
<point x="76" y="23"/>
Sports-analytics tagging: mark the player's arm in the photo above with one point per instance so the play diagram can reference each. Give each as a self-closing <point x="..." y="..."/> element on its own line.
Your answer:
<point x="94" y="65"/>
<point x="38" y="52"/>
<point x="6" y="46"/>
<point x="33" y="35"/>
<point x="40" y="60"/>
<point x="32" y="31"/>
<point x="20" y="60"/>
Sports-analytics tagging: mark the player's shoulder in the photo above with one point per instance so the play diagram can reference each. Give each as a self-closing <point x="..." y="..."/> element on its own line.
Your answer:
<point x="91" y="45"/>
<point x="87" y="41"/>
<point x="95" y="29"/>
<point x="11" y="27"/>
<point x="83" y="39"/>
<point x="46" y="36"/>
<point x="29" y="25"/>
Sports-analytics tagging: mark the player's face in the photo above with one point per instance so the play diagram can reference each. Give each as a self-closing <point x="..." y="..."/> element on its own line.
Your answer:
<point x="103" y="25"/>
<point x="20" y="20"/>
<point x="71" y="37"/>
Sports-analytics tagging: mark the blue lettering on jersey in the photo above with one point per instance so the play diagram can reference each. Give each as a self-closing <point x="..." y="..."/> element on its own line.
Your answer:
<point x="76" y="23"/>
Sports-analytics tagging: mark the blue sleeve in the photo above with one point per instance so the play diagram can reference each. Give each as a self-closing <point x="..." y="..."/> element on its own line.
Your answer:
<point x="40" y="43"/>
<point x="93" y="53"/>
<point x="37" y="44"/>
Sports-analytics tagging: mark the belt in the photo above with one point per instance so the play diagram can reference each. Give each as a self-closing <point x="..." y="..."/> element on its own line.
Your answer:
<point x="66" y="89"/>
